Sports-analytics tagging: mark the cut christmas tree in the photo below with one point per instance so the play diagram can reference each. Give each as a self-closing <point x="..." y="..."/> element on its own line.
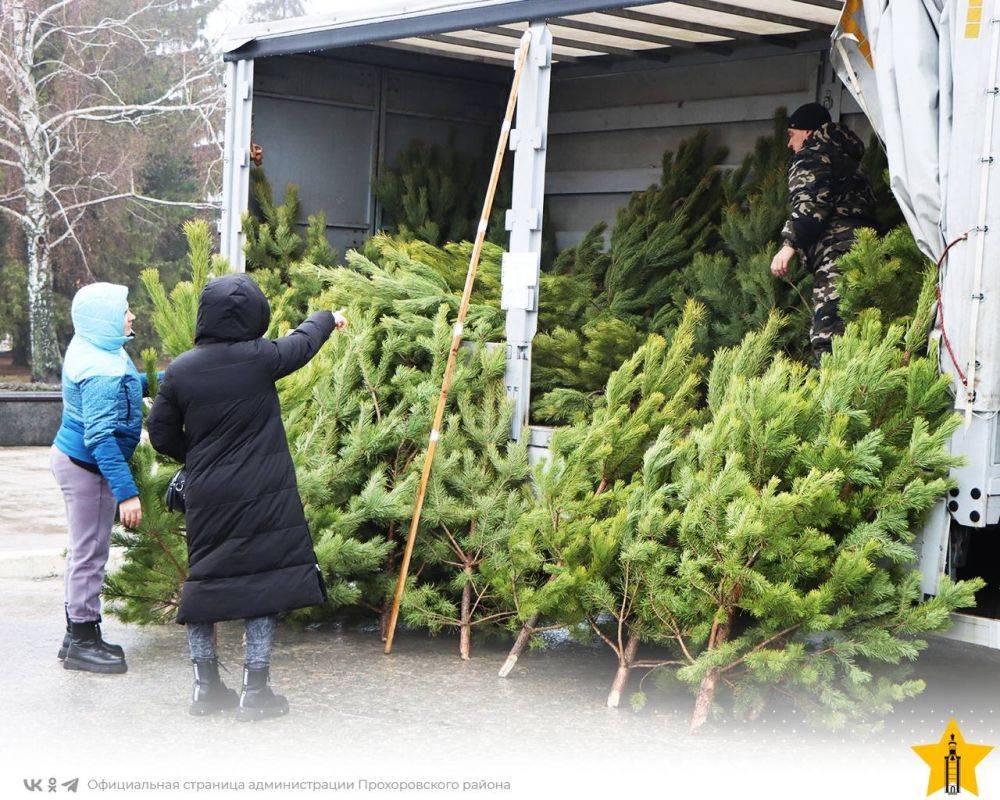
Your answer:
<point x="563" y="546"/>
<point x="272" y="234"/>
<point x="767" y="546"/>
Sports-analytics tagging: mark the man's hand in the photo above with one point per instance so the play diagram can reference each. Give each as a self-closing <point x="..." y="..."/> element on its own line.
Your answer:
<point x="339" y="320"/>
<point x="130" y="512"/>
<point x="779" y="264"/>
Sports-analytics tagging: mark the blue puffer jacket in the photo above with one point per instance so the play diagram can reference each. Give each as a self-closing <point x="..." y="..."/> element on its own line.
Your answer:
<point x="102" y="390"/>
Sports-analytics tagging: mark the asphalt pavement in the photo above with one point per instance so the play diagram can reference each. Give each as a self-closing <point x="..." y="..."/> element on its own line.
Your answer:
<point x="358" y="714"/>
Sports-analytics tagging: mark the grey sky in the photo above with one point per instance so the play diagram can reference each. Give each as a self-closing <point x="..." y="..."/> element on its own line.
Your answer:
<point x="231" y="12"/>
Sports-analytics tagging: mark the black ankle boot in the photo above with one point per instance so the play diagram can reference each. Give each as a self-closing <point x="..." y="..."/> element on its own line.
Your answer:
<point x="210" y="694"/>
<point x="66" y="637"/>
<point x="87" y="653"/>
<point x="114" y="649"/>
<point x="257" y="701"/>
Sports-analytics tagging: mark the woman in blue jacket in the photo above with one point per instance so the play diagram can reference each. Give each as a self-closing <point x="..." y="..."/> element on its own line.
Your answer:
<point x="101" y="423"/>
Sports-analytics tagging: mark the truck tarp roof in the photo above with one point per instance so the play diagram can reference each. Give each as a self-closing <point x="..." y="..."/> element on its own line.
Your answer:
<point x="488" y="30"/>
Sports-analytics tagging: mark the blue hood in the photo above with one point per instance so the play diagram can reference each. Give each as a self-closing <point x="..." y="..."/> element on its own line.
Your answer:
<point x="99" y="315"/>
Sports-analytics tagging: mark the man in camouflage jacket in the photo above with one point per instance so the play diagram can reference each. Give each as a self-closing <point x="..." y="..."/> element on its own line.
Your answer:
<point x="830" y="198"/>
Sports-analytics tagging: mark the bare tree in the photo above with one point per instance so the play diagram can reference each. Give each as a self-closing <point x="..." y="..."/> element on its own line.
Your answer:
<point x="64" y="87"/>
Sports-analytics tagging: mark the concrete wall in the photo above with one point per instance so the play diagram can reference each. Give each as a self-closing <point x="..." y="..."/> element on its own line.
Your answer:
<point x="29" y="418"/>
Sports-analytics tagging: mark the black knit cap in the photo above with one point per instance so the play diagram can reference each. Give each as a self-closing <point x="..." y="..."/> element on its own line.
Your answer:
<point x="809" y="117"/>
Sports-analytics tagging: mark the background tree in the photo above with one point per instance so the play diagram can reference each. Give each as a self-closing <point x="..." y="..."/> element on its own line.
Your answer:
<point x="267" y="10"/>
<point x="72" y="103"/>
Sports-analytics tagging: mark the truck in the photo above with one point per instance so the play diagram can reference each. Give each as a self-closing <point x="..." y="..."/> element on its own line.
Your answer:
<point x="332" y="99"/>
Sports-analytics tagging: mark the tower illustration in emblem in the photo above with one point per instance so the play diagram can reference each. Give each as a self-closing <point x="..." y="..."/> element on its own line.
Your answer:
<point x="952" y="769"/>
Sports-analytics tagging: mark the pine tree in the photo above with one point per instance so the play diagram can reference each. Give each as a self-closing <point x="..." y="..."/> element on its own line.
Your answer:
<point x="888" y="215"/>
<point x="271" y="230"/>
<point x="756" y="526"/>
<point x="358" y="417"/>
<point x="655" y="235"/>
<point x="883" y="272"/>
<point x="478" y="491"/>
<point x="765" y="539"/>
<point x="577" y="361"/>
<point x="426" y="193"/>
<point x="735" y="281"/>
<point x="174" y="314"/>
<point x="773" y="548"/>
<point x="435" y="193"/>
<point x="146" y="587"/>
<point x="561" y="546"/>
<point x="636" y="286"/>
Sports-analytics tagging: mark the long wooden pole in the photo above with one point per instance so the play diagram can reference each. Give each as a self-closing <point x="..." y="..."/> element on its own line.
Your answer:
<point x="456" y="339"/>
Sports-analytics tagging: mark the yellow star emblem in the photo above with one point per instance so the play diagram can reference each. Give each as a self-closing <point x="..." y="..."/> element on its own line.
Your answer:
<point x="952" y="761"/>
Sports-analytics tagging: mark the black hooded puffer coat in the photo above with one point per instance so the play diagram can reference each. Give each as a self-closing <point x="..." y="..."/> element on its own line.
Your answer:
<point x="217" y="412"/>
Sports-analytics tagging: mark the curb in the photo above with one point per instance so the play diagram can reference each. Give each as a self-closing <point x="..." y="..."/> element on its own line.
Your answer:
<point x="43" y="563"/>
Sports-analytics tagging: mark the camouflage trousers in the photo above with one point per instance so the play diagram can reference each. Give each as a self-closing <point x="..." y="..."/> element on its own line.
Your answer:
<point x="822" y="262"/>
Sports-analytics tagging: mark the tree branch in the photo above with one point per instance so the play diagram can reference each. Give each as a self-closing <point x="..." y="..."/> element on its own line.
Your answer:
<point x="133" y="195"/>
<point x="130" y="112"/>
<point x="40" y="18"/>
<point x="16" y="215"/>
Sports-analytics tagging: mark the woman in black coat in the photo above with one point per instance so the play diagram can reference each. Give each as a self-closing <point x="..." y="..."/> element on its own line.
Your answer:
<point x="250" y="555"/>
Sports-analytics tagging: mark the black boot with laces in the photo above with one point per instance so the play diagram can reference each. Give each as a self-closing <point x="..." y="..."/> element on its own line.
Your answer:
<point x="210" y="694"/>
<point x="86" y="651"/>
<point x="114" y="649"/>
<point x="257" y="701"/>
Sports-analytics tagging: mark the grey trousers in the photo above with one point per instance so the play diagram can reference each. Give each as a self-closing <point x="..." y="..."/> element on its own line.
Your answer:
<point x="90" y="512"/>
<point x="259" y="638"/>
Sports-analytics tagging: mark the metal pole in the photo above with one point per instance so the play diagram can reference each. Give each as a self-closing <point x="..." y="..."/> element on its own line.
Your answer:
<point x="521" y="264"/>
<point x="236" y="160"/>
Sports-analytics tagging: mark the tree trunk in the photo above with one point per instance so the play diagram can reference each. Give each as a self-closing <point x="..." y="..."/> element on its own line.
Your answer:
<point x="625" y="661"/>
<point x="706" y="692"/>
<point x="465" y="634"/>
<point x="35" y="162"/>
<point x="526" y="630"/>
<point x="519" y="644"/>
<point x="390" y="569"/>
<point x="383" y="621"/>
<point x="45" y="359"/>
<point x="703" y="703"/>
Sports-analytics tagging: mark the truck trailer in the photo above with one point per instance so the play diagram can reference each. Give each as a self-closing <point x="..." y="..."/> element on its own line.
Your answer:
<point x="333" y="99"/>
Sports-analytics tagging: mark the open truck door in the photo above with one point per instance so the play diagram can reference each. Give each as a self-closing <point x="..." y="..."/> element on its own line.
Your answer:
<point x="925" y="74"/>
